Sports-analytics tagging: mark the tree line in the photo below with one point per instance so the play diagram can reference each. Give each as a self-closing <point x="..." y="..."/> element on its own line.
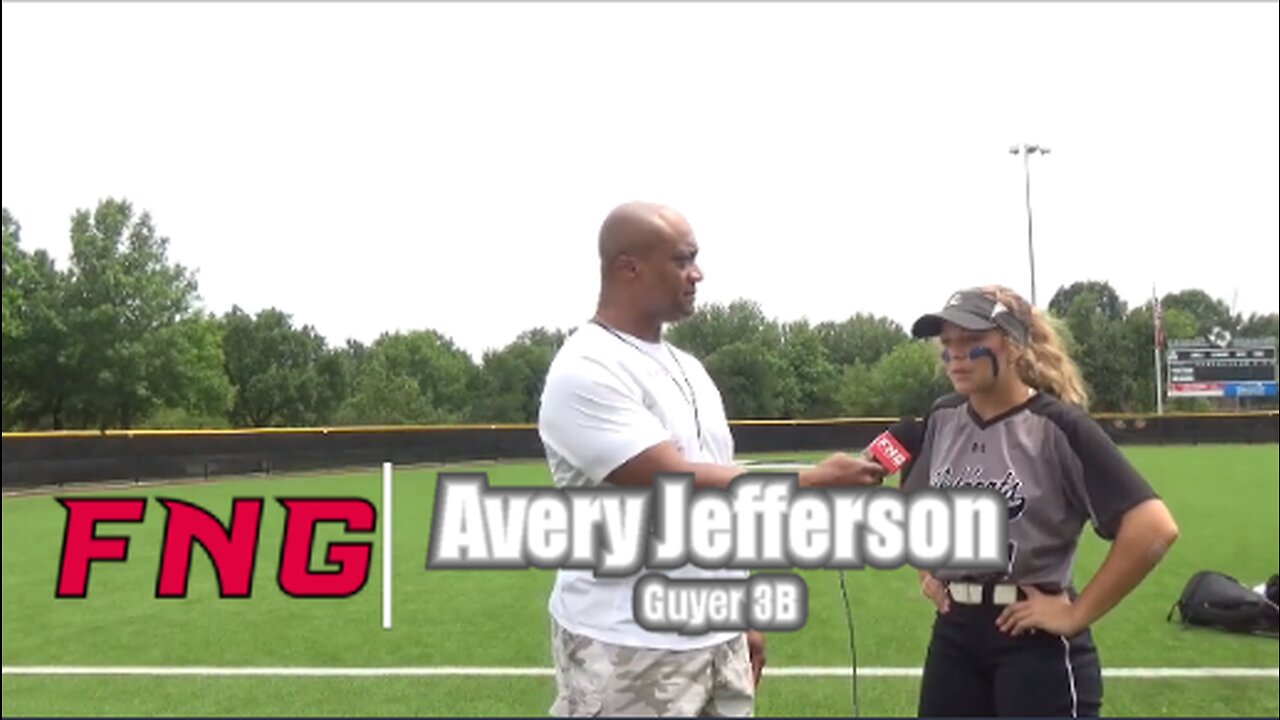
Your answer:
<point x="118" y="339"/>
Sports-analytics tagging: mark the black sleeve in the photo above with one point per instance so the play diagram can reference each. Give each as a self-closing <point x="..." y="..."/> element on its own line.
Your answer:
<point x="1111" y="485"/>
<point x="907" y="481"/>
<point x="918" y="464"/>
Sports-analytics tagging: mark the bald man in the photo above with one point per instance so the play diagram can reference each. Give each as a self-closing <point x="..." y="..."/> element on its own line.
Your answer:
<point x="621" y="406"/>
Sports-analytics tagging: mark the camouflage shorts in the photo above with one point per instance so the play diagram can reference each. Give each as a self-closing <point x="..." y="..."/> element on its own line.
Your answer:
<point x="596" y="678"/>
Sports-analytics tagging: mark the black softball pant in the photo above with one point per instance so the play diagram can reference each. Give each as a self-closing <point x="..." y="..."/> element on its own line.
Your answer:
<point x="973" y="669"/>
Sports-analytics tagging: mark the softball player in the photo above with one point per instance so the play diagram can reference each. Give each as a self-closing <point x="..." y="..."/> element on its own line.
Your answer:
<point x="1017" y="642"/>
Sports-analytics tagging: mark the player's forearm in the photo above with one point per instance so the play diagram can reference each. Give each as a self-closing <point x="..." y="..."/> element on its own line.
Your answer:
<point x="1145" y="534"/>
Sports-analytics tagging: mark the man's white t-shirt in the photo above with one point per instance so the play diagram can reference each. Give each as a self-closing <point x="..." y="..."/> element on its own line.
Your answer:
<point x="608" y="397"/>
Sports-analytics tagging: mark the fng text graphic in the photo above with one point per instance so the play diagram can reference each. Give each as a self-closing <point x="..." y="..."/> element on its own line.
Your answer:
<point x="233" y="549"/>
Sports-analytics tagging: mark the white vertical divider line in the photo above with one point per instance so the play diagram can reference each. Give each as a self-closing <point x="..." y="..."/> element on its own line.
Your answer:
<point x="386" y="546"/>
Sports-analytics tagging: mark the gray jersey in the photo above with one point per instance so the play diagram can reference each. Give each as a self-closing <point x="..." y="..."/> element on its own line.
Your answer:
<point x="1054" y="465"/>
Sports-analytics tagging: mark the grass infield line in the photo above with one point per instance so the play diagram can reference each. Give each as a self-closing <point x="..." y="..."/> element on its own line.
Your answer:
<point x="198" y="671"/>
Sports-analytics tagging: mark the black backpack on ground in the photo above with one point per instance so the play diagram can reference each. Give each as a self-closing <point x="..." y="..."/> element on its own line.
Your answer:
<point x="1215" y="600"/>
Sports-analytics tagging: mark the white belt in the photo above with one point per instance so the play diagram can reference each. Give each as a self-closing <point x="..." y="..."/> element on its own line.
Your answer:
<point x="971" y="593"/>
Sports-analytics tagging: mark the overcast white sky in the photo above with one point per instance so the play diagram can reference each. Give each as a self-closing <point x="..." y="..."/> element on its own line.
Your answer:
<point x="380" y="167"/>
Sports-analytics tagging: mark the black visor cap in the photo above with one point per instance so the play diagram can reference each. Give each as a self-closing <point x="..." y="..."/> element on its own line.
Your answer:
<point x="971" y="310"/>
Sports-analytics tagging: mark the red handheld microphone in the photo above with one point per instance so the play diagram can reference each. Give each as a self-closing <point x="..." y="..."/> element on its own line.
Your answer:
<point x="895" y="447"/>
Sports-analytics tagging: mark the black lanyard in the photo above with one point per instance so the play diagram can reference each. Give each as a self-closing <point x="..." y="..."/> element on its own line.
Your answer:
<point x="690" y="397"/>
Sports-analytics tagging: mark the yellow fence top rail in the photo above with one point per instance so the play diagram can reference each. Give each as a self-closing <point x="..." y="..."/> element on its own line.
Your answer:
<point x="376" y="429"/>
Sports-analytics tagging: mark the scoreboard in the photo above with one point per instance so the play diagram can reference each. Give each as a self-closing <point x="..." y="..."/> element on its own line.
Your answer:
<point x="1244" y="368"/>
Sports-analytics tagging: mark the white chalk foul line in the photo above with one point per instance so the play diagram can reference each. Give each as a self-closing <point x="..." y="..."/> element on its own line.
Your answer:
<point x="198" y="671"/>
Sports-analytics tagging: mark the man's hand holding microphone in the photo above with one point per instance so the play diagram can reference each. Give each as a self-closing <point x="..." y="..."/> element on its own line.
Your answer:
<point x="842" y="470"/>
<point x="886" y="455"/>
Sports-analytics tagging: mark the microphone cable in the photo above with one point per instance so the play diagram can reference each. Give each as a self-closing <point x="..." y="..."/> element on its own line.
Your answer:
<point x="853" y="645"/>
<point x="848" y="616"/>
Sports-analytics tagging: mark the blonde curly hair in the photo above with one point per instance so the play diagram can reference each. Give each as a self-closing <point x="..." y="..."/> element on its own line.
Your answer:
<point x="1044" y="364"/>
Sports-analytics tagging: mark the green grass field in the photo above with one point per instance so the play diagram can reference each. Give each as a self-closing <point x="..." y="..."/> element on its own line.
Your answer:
<point x="1225" y="499"/>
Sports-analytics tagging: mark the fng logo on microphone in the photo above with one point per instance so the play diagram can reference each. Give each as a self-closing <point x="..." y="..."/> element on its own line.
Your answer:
<point x="890" y="451"/>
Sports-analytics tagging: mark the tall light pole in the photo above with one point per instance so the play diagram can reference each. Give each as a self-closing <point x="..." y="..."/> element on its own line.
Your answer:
<point x="1026" y="150"/>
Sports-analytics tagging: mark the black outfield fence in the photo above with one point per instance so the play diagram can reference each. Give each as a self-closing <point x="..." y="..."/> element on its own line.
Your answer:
<point x="36" y="459"/>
